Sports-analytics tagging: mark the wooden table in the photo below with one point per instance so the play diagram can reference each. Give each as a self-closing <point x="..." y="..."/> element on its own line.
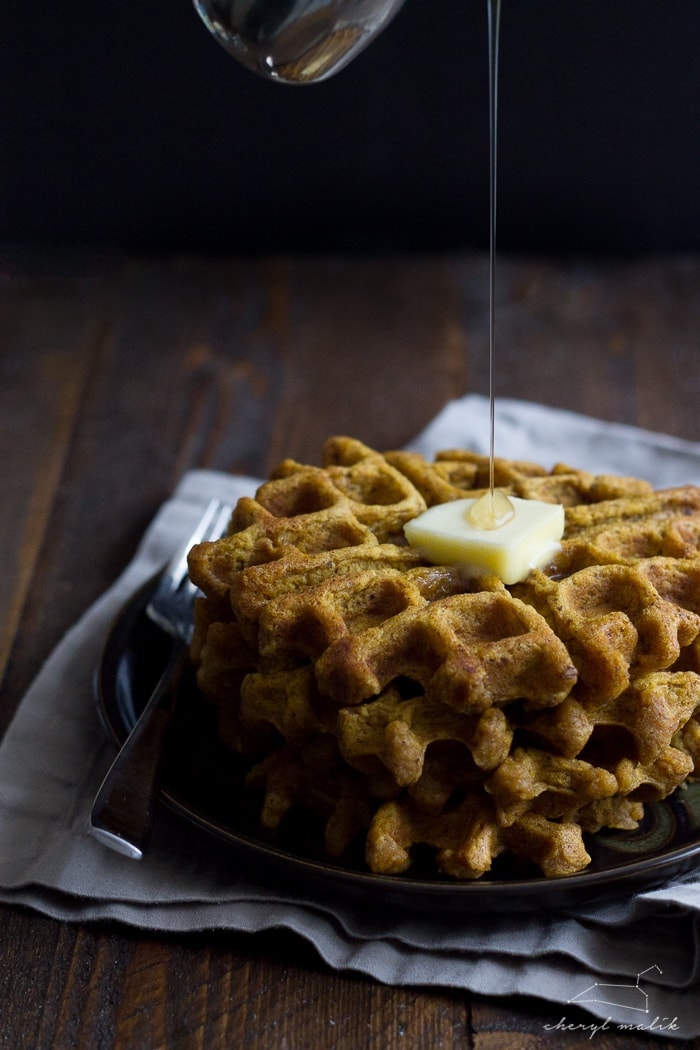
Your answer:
<point x="118" y="375"/>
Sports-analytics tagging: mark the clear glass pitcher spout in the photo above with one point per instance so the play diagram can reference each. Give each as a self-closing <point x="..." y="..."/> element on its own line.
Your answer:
<point x="296" y="41"/>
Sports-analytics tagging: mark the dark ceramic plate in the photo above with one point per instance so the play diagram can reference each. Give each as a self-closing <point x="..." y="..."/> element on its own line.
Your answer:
<point x="203" y="785"/>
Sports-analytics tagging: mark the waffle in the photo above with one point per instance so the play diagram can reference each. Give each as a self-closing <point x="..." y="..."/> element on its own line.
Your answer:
<point x="421" y="710"/>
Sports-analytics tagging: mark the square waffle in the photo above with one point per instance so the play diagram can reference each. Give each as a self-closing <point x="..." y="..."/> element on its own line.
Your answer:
<point x="418" y="708"/>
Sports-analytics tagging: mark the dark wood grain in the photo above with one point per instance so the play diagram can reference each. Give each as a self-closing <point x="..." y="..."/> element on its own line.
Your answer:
<point x="116" y="375"/>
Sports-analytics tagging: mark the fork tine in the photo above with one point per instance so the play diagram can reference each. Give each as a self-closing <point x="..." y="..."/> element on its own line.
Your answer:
<point x="211" y="527"/>
<point x="170" y="603"/>
<point x="176" y="569"/>
<point x="214" y="531"/>
<point x="221" y="520"/>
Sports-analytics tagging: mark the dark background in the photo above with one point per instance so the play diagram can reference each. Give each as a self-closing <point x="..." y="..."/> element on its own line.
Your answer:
<point x="124" y="122"/>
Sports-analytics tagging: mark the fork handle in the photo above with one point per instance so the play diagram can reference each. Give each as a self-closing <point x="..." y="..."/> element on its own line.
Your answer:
<point x="122" y="813"/>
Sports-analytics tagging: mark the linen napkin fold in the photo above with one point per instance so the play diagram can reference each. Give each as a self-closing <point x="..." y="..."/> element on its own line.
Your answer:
<point x="606" y="958"/>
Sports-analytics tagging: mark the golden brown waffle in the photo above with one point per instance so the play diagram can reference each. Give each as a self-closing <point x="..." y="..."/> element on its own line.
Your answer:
<point x="471" y="651"/>
<point x="422" y="708"/>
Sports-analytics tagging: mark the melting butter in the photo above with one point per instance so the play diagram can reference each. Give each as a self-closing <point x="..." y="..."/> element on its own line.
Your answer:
<point x="447" y="535"/>
<point x="491" y="511"/>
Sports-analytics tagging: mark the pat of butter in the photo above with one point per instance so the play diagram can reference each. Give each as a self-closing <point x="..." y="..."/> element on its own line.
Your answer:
<point x="446" y="536"/>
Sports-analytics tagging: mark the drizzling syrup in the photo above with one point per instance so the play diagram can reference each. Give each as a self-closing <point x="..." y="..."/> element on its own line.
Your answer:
<point x="491" y="510"/>
<point x="494" y="509"/>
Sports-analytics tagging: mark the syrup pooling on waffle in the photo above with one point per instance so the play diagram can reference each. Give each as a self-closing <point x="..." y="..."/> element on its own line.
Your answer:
<point x="415" y="708"/>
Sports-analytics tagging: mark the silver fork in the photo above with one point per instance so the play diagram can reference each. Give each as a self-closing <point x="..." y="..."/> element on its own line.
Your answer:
<point x="122" y="813"/>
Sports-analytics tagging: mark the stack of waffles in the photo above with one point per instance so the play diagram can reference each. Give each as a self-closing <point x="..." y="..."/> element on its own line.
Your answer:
<point x="431" y="710"/>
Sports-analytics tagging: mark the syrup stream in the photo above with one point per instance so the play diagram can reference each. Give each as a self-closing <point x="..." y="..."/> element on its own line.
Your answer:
<point x="494" y="13"/>
<point x="493" y="509"/>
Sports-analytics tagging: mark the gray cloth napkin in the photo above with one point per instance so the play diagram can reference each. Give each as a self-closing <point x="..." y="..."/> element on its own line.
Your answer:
<point x="54" y="756"/>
